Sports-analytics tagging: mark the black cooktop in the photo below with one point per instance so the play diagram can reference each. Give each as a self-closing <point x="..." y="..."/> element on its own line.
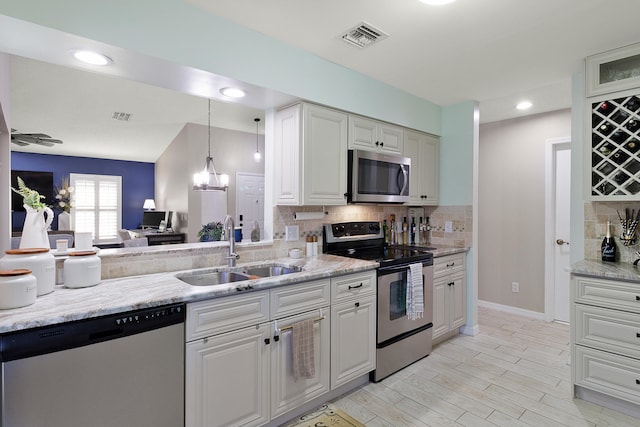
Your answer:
<point x="365" y="240"/>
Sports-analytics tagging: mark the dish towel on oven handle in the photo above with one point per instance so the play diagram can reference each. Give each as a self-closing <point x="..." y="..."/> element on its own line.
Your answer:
<point x="415" y="292"/>
<point x="304" y="364"/>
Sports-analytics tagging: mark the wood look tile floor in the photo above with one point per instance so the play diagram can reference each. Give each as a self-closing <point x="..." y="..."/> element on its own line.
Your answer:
<point x="515" y="372"/>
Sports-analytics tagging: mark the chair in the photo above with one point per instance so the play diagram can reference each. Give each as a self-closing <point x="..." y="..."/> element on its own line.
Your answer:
<point x="136" y="243"/>
<point x="124" y="234"/>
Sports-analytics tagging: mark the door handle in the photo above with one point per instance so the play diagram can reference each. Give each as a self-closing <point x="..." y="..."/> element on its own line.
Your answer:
<point x="561" y="242"/>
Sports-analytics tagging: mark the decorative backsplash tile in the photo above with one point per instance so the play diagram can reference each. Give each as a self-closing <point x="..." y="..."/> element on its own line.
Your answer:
<point x="596" y="215"/>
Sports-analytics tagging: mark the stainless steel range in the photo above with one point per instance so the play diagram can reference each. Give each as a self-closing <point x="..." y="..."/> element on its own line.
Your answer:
<point x="400" y="341"/>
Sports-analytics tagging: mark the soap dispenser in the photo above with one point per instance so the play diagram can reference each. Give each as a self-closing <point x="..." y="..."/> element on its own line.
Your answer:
<point x="255" y="233"/>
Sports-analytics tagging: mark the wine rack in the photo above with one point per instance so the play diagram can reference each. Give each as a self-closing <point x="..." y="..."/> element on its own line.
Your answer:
<point x="615" y="147"/>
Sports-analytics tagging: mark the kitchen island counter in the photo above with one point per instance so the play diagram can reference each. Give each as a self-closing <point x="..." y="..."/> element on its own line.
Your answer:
<point x="153" y="290"/>
<point x="609" y="270"/>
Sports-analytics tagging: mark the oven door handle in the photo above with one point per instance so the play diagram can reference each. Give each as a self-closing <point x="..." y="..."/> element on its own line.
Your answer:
<point x="384" y="271"/>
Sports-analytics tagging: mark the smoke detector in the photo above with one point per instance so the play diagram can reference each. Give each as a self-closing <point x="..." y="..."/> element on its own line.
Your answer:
<point x="363" y="35"/>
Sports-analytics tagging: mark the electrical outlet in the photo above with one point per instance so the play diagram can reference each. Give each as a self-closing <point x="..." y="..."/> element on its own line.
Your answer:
<point x="292" y="233"/>
<point x="448" y="227"/>
<point x="515" y="287"/>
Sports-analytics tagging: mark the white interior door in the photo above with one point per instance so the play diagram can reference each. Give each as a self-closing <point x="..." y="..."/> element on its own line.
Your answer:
<point x="562" y="186"/>
<point x="249" y="202"/>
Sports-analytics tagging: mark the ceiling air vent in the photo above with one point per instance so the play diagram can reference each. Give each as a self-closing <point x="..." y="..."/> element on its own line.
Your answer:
<point x="364" y="35"/>
<point x="125" y="117"/>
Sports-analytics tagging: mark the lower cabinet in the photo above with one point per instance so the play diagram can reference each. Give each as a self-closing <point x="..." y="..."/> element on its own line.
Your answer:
<point x="449" y="295"/>
<point x="239" y="359"/>
<point x="605" y="342"/>
<point x="227" y="379"/>
<point x="286" y="392"/>
<point x="353" y="339"/>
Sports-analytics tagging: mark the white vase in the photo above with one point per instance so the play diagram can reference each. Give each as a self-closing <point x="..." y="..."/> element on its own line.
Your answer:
<point x="64" y="221"/>
<point x="34" y="232"/>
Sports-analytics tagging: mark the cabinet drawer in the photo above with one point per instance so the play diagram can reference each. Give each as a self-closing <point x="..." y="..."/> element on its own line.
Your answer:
<point x="293" y="299"/>
<point x="448" y="264"/>
<point x="225" y="314"/>
<point x="352" y="285"/>
<point x="608" y="373"/>
<point x="610" y="330"/>
<point x="607" y="293"/>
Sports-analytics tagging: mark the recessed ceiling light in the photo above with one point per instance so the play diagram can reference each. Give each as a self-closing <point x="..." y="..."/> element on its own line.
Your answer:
<point x="436" y="2"/>
<point x="523" y="105"/>
<point x="232" y="92"/>
<point x="92" y="58"/>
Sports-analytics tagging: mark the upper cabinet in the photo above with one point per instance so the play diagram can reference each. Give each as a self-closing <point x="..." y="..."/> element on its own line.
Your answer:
<point x="613" y="71"/>
<point x="310" y="156"/>
<point x="423" y="150"/>
<point x="612" y="122"/>
<point x="372" y="135"/>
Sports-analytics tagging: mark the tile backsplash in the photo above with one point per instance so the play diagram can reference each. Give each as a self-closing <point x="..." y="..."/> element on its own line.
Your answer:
<point x="596" y="215"/>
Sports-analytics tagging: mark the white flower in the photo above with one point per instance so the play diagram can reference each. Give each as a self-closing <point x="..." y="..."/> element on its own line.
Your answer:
<point x="62" y="204"/>
<point x="63" y="191"/>
<point x="70" y="189"/>
<point x="58" y="197"/>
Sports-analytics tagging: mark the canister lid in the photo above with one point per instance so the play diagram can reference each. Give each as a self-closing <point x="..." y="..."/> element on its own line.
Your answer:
<point x="26" y="251"/>
<point x="15" y="272"/>
<point x="82" y="253"/>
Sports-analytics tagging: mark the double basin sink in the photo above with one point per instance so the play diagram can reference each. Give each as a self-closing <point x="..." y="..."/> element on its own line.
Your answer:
<point x="236" y="274"/>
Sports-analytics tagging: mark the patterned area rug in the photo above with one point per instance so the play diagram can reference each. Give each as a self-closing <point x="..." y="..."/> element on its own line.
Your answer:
<point x="325" y="416"/>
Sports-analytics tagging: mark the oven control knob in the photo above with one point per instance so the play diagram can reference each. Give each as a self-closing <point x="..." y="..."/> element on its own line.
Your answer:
<point x="374" y="227"/>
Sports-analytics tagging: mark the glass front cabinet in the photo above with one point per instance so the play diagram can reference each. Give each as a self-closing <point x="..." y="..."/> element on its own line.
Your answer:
<point x="613" y="124"/>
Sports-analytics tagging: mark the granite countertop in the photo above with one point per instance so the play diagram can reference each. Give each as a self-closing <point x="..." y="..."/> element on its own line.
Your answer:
<point x="609" y="270"/>
<point x="441" y="251"/>
<point x="152" y="290"/>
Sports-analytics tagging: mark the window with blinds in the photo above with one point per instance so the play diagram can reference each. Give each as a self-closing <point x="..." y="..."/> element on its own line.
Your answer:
<point x="97" y="205"/>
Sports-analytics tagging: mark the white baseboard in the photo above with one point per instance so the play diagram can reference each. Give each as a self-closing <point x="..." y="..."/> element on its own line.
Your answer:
<point x="470" y="330"/>
<point x="513" y="310"/>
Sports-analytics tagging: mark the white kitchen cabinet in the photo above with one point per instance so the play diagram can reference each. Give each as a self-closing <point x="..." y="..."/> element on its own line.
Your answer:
<point x="449" y="295"/>
<point x="310" y="156"/>
<point x="423" y="150"/>
<point x="239" y="358"/>
<point x="372" y="135"/>
<point x="605" y="344"/>
<point x="353" y="327"/>
<point x="613" y="71"/>
<point x="227" y="379"/>
<point x="286" y="392"/>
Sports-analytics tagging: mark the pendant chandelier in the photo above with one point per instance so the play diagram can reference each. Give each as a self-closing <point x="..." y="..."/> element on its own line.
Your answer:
<point x="257" y="156"/>
<point x="202" y="180"/>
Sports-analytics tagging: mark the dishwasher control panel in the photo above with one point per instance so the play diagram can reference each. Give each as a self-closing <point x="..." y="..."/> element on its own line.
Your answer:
<point x="63" y="336"/>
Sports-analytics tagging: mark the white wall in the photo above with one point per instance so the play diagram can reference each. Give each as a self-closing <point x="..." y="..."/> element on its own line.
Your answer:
<point x="232" y="152"/>
<point x="511" y="207"/>
<point x="5" y="151"/>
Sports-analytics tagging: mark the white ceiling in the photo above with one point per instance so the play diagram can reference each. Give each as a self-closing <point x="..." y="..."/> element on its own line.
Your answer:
<point x="494" y="51"/>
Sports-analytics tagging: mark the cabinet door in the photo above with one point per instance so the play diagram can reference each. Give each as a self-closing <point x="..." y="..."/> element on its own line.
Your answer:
<point x="440" y="306"/>
<point x="390" y="138"/>
<point x="286" y="393"/>
<point x="287" y="156"/>
<point x="353" y="339"/>
<point x="325" y="156"/>
<point x="429" y="161"/>
<point x="423" y="151"/>
<point x="227" y="379"/>
<point x="362" y="133"/>
<point x="458" y="302"/>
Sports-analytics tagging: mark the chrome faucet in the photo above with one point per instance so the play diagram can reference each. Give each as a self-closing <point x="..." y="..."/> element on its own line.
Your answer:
<point x="229" y="228"/>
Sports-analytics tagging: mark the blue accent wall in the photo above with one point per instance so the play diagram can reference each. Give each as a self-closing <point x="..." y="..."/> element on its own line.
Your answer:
<point x="138" y="180"/>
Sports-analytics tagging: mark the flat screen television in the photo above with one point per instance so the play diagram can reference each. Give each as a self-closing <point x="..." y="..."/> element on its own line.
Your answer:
<point x="151" y="219"/>
<point x="42" y="182"/>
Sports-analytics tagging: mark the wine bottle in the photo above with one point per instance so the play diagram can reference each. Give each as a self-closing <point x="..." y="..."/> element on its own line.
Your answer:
<point x="413" y="230"/>
<point x="385" y="232"/>
<point x="405" y="231"/>
<point x="608" y="246"/>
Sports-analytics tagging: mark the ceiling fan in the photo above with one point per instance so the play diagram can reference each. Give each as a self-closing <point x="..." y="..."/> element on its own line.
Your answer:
<point x="24" y="139"/>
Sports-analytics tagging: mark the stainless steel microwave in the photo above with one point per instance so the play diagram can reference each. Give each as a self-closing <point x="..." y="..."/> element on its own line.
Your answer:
<point x="377" y="178"/>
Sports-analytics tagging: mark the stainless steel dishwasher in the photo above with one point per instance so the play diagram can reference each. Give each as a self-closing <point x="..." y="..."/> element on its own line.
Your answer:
<point x="120" y="370"/>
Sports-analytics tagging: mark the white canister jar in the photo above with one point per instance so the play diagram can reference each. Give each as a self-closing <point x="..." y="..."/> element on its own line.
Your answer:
<point x="18" y="288"/>
<point x="40" y="261"/>
<point x="82" y="269"/>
